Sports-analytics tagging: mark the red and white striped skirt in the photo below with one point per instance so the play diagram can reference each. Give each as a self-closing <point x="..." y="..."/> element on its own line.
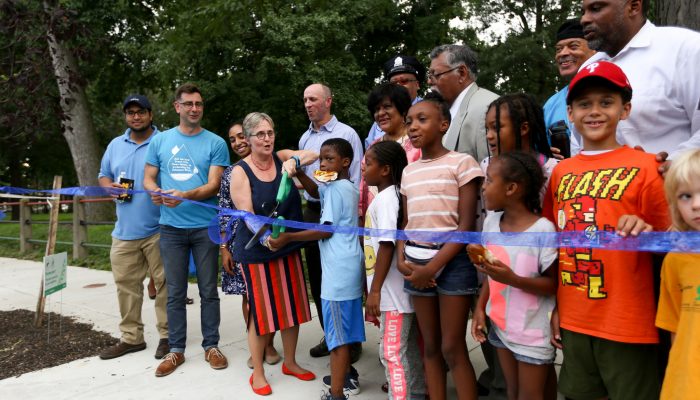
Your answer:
<point x="277" y="293"/>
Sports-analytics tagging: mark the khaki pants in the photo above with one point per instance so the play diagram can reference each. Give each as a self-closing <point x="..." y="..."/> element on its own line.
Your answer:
<point x="132" y="261"/>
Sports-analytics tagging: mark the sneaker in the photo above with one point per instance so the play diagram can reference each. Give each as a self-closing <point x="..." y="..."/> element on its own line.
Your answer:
<point x="355" y="352"/>
<point x="320" y="350"/>
<point x="170" y="363"/>
<point x="329" y="396"/>
<point x="120" y="349"/>
<point x="351" y="384"/>
<point x="215" y="358"/>
<point x="162" y="349"/>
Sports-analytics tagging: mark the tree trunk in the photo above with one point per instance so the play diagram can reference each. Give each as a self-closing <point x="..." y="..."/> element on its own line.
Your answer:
<point x="685" y="13"/>
<point x="78" y="129"/>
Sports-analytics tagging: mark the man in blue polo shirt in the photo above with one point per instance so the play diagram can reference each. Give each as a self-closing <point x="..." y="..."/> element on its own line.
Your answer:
<point x="186" y="162"/>
<point x="135" y="250"/>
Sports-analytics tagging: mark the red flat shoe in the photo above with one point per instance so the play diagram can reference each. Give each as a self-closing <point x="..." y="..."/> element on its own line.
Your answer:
<point x="263" y="391"/>
<point x="306" y="376"/>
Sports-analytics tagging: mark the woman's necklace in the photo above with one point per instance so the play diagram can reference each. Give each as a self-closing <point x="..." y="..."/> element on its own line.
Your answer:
<point x="258" y="166"/>
<point x="400" y="137"/>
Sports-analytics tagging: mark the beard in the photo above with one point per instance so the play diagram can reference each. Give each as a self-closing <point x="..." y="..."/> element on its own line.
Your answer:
<point x="616" y="37"/>
<point x="141" y="130"/>
<point x="596" y="44"/>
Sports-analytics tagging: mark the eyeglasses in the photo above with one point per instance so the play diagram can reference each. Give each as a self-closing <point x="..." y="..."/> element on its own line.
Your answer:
<point x="402" y="81"/>
<point x="189" y="105"/>
<point x="262" y="135"/>
<point x="433" y="76"/>
<point x="141" y="113"/>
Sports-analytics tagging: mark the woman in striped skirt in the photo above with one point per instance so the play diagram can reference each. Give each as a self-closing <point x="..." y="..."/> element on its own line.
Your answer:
<point x="275" y="283"/>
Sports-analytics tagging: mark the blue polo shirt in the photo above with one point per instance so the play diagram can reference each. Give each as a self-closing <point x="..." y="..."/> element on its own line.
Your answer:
<point x="555" y="109"/>
<point x="137" y="219"/>
<point x="183" y="162"/>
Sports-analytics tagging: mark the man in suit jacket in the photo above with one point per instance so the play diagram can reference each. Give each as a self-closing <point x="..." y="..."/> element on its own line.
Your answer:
<point x="452" y="73"/>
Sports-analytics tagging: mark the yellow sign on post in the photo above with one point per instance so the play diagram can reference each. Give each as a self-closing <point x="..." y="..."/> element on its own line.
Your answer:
<point x="55" y="267"/>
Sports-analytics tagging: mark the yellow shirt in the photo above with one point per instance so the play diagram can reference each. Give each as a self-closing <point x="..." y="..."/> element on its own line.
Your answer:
<point x="679" y="312"/>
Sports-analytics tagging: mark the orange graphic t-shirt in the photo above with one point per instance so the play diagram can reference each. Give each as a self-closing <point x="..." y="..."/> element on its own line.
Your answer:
<point x="606" y="293"/>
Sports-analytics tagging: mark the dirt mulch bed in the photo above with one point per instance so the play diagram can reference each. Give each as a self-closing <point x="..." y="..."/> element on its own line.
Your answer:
<point x="24" y="348"/>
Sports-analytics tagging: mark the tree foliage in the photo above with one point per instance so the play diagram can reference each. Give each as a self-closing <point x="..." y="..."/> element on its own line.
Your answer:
<point x="29" y="111"/>
<point x="520" y="58"/>
<point x="246" y="55"/>
<point x="259" y="55"/>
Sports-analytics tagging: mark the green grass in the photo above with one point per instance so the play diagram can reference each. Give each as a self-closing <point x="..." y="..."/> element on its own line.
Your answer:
<point x="97" y="258"/>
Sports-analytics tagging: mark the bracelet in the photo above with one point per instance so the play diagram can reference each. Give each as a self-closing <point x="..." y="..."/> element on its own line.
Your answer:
<point x="297" y="159"/>
<point x="222" y="246"/>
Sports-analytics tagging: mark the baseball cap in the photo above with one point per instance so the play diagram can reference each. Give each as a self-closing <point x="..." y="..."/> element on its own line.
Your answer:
<point x="570" y="29"/>
<point x="401" y="64"/>
<point x="139" y="99"/>
<point x="602" y="71"/>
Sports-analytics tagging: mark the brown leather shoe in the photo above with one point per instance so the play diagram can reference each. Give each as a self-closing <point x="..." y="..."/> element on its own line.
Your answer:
<point x="162" y="349"/>
<point x="120" y="349"/>
<point x="215" y="358"/>
<point x="170" y="363"/>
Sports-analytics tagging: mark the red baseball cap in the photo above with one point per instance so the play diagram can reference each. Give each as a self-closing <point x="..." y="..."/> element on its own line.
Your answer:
<point x="602" y="70"/>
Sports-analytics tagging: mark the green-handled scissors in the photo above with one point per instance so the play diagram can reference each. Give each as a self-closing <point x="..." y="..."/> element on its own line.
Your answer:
<point x="282" y="194"/>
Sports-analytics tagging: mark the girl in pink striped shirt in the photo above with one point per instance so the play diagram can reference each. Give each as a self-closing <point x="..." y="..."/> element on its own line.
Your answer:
<point x="439" y="194"/>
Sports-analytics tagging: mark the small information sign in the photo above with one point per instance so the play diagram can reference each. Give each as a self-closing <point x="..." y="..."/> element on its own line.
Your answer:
<point x="55" y="267"/>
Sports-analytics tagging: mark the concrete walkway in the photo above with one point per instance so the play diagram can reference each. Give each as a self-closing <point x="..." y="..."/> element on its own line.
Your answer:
<point x="132" y="376"/>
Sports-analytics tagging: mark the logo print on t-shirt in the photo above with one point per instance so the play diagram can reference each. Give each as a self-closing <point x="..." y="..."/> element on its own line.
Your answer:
<point x="181" y="166"/>
<point x="370" y="257"/>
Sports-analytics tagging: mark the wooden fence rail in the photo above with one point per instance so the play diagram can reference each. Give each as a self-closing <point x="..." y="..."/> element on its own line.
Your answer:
<point x="79" y="225"/>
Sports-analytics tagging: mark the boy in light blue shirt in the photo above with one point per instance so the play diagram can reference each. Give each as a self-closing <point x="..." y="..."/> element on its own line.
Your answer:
<point x="341" y="263"/>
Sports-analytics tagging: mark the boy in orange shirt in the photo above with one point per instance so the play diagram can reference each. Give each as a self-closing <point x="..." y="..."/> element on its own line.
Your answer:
<point x="605" y="298"/>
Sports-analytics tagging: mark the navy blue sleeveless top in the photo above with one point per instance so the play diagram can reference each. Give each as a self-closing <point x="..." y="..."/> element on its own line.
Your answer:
<point x="265" y="193"/>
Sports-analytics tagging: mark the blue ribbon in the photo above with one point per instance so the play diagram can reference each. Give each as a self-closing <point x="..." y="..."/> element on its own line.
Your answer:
<point x="686" y="242"/>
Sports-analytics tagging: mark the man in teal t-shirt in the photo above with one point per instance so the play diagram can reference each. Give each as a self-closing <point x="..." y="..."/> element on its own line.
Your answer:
<point x="188" y="161"/>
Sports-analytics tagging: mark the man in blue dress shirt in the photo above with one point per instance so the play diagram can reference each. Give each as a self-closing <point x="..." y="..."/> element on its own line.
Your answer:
<point x="323" y="126"/>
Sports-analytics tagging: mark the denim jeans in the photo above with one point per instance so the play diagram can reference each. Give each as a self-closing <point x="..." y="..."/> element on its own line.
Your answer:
<point x="175" y="247"/>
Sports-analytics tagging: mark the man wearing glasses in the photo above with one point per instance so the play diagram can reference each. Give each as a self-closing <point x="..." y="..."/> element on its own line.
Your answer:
<point x="452" y="73"/>
<point x="186" y="162"/>
<point x="407" y="72"/>
<point x="135" y="252"/>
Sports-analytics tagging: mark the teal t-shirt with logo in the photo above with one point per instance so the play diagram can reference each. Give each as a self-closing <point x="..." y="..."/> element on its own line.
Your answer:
<point x="184" y="163"/>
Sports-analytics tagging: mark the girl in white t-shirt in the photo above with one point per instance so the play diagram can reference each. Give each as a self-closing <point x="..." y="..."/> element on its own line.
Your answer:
<point x="522" y="280"/>
<point x="398" y="349"/>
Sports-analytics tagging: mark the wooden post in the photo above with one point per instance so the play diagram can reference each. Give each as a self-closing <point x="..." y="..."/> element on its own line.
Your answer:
<point x="25" y="226"/>
<point x="50" y="247"/>
<point x="79" y="229"/>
